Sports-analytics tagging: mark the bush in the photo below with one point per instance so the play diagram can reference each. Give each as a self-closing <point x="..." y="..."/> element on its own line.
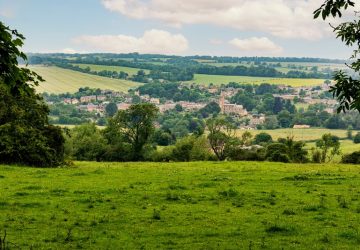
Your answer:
<point x="251" y="154"/>
<point x="163" y="155"/>
<point x="262" y="138"/>
<point x="277" y="152"/>
<point x="86" y="143"/>
<point x="353" y="158"/>
<point x="357" y="138"/>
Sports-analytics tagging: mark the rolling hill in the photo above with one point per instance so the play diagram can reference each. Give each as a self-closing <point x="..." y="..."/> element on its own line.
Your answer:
<point x="58" y="80"/>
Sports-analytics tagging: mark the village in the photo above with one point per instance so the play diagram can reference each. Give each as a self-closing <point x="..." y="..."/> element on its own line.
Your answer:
<point x="221" y="95"/>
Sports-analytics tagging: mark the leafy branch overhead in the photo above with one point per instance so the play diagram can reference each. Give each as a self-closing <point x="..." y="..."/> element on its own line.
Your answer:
<point x="347" y="87"/>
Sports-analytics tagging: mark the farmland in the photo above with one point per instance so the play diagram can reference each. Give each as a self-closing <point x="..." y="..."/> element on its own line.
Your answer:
<point x="94" y="67"/>
<point x="181" y="206"/>
<point x="300" y="134"/>
<point x="219" y="79"/>
<point x="58" y="80"/>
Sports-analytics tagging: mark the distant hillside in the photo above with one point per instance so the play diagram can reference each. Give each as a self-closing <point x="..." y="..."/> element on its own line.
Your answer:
<point x="58" y="80"/>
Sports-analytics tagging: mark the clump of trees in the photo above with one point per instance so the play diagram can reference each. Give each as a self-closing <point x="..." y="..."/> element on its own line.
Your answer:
<point x="25" y="134"/>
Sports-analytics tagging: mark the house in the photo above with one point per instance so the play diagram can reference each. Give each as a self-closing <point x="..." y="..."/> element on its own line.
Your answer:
<point x="301" y="126"/>
<point x="123" y="106"/>
<point x="155" y="101"/>
<point x="100" y="98"/>
<point x="191" y="106"/>
<point x="227" y="108"/>
<point x="74" y="101"/>
<point x="166" y="107"/>
<point x="89" y="98"/>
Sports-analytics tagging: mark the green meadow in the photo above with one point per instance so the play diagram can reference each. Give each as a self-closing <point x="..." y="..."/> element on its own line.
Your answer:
<point x="200" y="205"/>
<point x="220" y="79"/>
<point x="58" y="80"/>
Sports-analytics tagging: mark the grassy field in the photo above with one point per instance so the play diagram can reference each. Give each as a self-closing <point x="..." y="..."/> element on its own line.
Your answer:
<point x="60" y="80"/>
<point x="181" y="206"/>
<point x="219" y="79"/>
<point x="347" y="147"/>
<point x="130" y="71"/>
<point x="300" y="134"/>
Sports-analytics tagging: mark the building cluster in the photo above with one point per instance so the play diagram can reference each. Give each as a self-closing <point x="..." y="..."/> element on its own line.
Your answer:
<point x="307" y="95"/>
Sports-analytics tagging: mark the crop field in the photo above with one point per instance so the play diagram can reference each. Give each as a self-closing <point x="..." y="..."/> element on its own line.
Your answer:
<point x="58" y="80"/>
<point x="310" y="134"/>
<point x="130" y="71"/>
<point x="219" y="79"/>
<point x="347" y="147"/>
<point x="200" y="205"/>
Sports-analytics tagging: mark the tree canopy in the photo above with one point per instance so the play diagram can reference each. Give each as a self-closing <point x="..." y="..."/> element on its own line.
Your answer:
<point x="25" y="134"/>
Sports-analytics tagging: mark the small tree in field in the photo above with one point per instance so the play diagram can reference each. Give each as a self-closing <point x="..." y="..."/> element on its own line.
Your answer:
<point x="221" y="136"/>
<point x="327" y="148"/>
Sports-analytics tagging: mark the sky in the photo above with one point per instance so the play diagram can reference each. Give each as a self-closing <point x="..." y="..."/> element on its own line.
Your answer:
<point x="281" y="28"/>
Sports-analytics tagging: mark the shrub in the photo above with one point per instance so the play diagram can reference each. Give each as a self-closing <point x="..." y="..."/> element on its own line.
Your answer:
<point x="251" y="154"/>
<point x="262" y="138"/>
<point x="353" y="158"/>
<point x="277" y="152"/>
<point x="357" y="138"/>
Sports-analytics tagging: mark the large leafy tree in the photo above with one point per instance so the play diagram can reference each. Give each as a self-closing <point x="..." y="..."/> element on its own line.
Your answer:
<point x="132" y="129"/>
<point x="25" y="134"/>
<point x="346" y="88"/>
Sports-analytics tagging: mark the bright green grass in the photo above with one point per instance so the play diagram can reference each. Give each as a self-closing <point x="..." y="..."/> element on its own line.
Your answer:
<point x="60" y="80"/>
<point x="219" y="79"/>
<point x="181" y="206"/>
<point x="300" y="134"/>
<point x="130" y="71"/>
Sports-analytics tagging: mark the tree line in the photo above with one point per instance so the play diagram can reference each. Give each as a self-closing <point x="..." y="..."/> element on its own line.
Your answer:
<point x="131" y="136"/>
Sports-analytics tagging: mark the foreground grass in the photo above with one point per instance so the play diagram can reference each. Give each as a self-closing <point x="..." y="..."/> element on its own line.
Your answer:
<point x="181" y="206"/>
<point x="219" y="79"/>
<point x="58" y="80"/>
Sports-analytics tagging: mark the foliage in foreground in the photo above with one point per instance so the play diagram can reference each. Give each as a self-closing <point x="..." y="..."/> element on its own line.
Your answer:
<point x="203" y="205"/>
<point x="25" y="134"/>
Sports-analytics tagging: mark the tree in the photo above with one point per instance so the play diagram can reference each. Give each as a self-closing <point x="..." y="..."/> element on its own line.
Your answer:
<point x="134" y="127"/>
<point x="178" y="108"/>
<point x="357" y="138"/>
<point x="346" y="88"/>
<point x="262" y="138"/>
<point x="25" y="134"/>
<point x="111" y="109"/>
<point x="221" y="134"/>
<point x="211" y="108"/>
<point x="87" y="143"/>
<point x="246" y="138"/>
<point x="328" y="146"/>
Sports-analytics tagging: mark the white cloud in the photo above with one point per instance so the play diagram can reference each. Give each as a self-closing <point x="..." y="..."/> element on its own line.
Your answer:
<point x="281" y="18"/>
<point x="257" y="45"/>
<point x="152" y="42"/>
<point x="69" y="51"/>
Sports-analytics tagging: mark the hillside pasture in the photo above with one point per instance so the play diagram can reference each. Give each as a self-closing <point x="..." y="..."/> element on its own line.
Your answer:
<point x="220" y="79"/>
<point x="204" y="205"/>
<point x="58" y="80"/>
